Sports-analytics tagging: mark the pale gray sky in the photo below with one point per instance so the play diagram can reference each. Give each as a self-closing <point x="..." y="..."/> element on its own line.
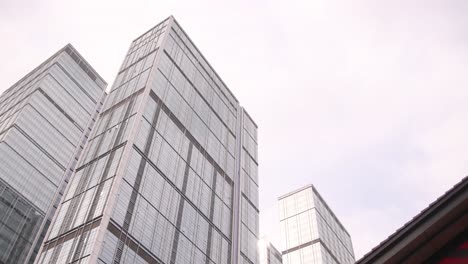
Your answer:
<point x="365" y="99"/>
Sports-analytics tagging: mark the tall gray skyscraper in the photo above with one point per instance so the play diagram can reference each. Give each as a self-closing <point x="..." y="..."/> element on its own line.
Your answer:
<point x="45" y="119"/>
<point x="310" y="232"/>
<point x="268" y="253"/>
<point x="169" y="174"/>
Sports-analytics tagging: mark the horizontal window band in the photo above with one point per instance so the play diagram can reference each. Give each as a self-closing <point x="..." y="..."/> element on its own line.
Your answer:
<point x="57" y="241"/>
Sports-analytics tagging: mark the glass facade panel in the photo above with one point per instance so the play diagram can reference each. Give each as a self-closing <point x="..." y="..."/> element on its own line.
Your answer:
<point x="168" y="174"/>
<point x="45" y="120"/>
<point x="310" y="231"/>
<point x="268" y="253"/>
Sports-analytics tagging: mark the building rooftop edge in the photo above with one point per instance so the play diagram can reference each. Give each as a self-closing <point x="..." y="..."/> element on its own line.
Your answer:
<point x="295" y="191"/>
<point x="57" y="53"/>
<point x="207" y="62"/>
<point x="321" y="198"/>
<point x="332" y="213"/>
<point x="69" y="45"/>
<point x="202" y="56"/>
<point x="247" y="113"/>
<point x="141" y="35"/>
<point x="274" y="247"/>
<point x="269" y="244"/>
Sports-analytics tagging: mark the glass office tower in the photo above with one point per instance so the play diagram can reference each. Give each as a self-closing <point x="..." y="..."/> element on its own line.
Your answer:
<point x="268" y="253"/>
<point x="310" y="232"/>
<point x="45" y="119"/>
<point x="170" y="172"/>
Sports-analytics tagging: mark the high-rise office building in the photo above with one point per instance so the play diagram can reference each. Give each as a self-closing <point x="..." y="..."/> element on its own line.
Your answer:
<point x="169" y="174"/>
<point x="310" y="232"/>
<point x="268" y="253"/>
<point x="45" y="119"/>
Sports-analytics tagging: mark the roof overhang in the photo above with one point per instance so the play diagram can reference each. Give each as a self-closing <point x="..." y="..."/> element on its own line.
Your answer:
<point x="428" y="232"/>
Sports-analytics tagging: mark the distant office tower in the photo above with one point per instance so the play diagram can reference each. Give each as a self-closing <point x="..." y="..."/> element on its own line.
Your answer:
<point x="310" y="232"/>
<point x="170" y="172"/>
<point x="268" y="253"/>
<point x="45" y="119"/>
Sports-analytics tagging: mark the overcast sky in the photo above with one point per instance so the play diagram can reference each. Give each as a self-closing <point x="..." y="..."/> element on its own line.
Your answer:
<point x="367" y="100"/>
